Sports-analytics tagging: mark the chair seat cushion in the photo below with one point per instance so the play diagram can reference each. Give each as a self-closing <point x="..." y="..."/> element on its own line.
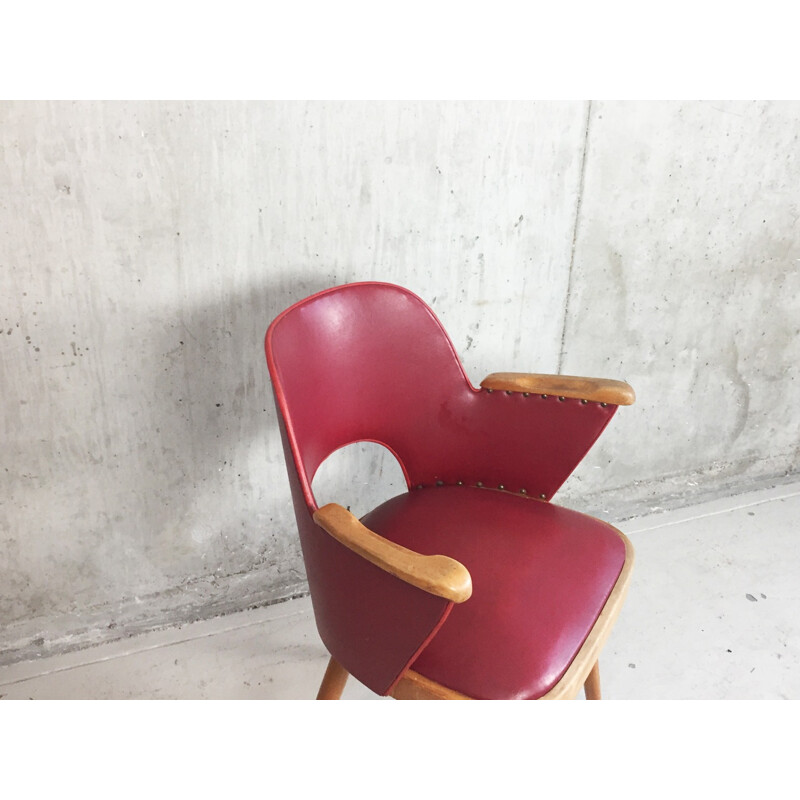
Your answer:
<point x="541" y="575"/>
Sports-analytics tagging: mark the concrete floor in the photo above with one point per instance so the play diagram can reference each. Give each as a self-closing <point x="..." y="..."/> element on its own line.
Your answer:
<point x="712" y="614"/>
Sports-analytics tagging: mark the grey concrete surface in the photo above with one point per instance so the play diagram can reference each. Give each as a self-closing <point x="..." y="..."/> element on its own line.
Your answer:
<point x="144" y="248"/>
<point x="686" y="283"/>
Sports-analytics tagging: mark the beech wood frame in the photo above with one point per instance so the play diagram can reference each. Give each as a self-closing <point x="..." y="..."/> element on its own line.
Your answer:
<point x="597" y="390"/>
<point x="440" y="575"/>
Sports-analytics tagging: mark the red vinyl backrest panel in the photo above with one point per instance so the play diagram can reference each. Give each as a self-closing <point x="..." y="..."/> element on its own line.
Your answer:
<point x="371" y="362"/>
<point x="361" y="362"/>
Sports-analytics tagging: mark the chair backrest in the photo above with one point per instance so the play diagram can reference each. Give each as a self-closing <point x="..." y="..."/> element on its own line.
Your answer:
<point x="361" y="362"/>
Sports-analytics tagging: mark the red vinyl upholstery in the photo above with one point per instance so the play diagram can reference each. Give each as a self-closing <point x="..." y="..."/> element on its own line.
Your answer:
<point x="370" y="362"/>
<point x="540" y="576"/>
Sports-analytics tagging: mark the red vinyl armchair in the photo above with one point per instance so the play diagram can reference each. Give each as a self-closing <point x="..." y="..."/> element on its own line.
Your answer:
<point x="471" y="584"/>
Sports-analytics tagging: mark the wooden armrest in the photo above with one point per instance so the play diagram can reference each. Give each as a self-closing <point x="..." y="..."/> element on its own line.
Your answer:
<point x="616" y="393"/>
<point x="440" y="575"/>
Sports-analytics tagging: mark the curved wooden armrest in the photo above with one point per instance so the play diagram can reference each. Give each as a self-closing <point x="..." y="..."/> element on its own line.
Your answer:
<point x="599" y="390"/>
<point x="440" y="575"/>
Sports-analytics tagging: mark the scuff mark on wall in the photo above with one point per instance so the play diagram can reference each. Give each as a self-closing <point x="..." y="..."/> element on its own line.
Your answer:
<point x="575" y="228"/>
<point x="743" y="399"/>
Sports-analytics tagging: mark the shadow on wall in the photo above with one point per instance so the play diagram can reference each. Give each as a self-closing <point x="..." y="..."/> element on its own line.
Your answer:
<point x="186" y="510"/>
<point x="216" y="394"/>
<point x="215" y="481"/>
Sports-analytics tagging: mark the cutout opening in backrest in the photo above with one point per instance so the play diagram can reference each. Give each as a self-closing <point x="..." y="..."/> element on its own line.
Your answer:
<point x="359" y="476"/>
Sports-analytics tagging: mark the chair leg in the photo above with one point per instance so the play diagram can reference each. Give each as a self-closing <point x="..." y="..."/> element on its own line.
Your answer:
<point x="333" y="683"/>
<point x="591" y="687"/>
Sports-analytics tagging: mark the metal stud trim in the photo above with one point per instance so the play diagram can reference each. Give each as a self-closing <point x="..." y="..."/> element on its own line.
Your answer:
<point x="561" y="398"/>
<point x="480" y="485"/>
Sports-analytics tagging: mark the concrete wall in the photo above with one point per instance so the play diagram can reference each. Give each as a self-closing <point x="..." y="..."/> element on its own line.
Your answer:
<point x="144" y="248"/>
<point x="686" y="281"/>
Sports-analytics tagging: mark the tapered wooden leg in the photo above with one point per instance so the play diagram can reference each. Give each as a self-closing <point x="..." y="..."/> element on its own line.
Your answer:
<point x="333" y="683"/>
<point x="591" y="687"/>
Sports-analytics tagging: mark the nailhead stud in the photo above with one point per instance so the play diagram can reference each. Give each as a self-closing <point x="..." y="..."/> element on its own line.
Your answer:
<point x="562" y="399"/>
<point x="459" y="483"/>
<point x="500" y="486"/>
<point x="584" y="402"/>
<point x="479" y="484"/>
<point x="523" y="491"/>
<point x="490" y="390"/>
<point x="507" y="392"/>
<point x="526" y="394"/>
<point x="440" y="483"/>
<point x="543" y="496"/>
<point x="544" y="397"/>
<point x="604" y="404"/>
<point x="419" y="486"/>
